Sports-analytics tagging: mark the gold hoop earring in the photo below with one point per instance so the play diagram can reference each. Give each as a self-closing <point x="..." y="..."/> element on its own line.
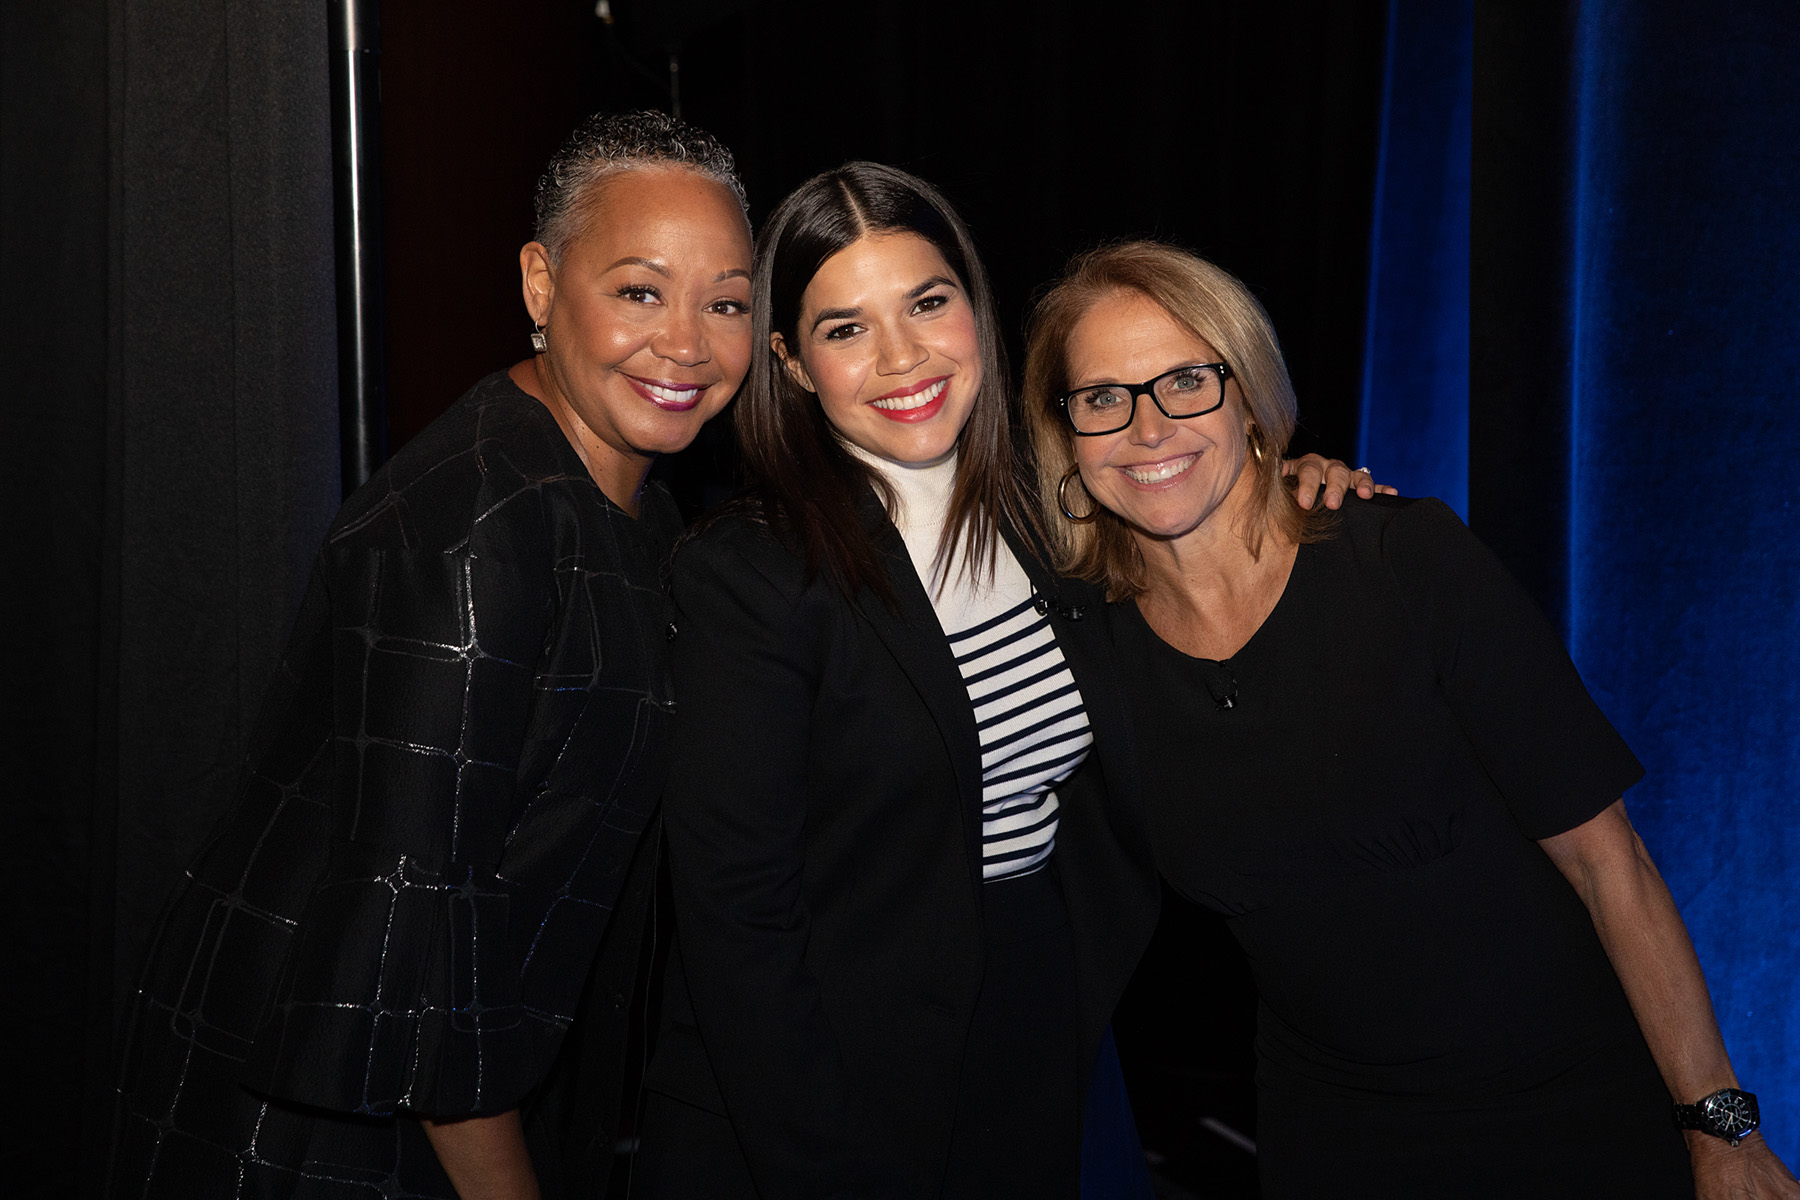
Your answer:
<point x="1255" y="444"/>
<point x="1063" y="503"/>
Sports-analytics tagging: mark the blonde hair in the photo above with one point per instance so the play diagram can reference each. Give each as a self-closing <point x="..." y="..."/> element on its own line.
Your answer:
<point x="1214" y="306"/>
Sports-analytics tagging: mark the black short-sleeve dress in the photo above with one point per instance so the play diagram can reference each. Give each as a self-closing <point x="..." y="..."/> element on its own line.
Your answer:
<point x="1438" y="1018"/>
<point x="444" y="801"/>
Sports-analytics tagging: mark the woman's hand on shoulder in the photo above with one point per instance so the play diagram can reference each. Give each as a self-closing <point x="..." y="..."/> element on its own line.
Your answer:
<point x="1746" y="1171"/>
<point x="1313" y="472"/>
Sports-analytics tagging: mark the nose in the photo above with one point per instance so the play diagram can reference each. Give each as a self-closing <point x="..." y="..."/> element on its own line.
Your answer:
<point x="682" y="340"/>
<point x="898" y="352"/>
<point x="1150" y="426"/>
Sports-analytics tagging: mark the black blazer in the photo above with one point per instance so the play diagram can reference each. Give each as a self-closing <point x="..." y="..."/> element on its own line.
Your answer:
<point x="824" y="818"/>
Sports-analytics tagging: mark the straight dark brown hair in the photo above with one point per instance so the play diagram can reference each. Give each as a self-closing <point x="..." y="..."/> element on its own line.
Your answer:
<point x="805" y="483"/>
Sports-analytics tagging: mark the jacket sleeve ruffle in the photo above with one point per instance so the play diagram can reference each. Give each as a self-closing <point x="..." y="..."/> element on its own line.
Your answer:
<point x="402" y="991"/>
<point x="401" y="986"/>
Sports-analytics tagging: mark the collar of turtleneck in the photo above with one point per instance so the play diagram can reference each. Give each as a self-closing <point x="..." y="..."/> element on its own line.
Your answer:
<point x="921" y="504"/>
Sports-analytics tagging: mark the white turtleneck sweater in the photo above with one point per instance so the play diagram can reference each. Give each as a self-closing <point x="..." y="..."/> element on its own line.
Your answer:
<point x="1028" y="711"/>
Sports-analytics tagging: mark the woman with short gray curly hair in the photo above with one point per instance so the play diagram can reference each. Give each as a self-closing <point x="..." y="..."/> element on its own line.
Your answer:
<point x="608" y="144"/>
<point x="448" y="813"/>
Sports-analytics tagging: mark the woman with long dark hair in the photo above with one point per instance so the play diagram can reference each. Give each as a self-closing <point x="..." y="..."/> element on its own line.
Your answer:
<point x="904" y="904"/>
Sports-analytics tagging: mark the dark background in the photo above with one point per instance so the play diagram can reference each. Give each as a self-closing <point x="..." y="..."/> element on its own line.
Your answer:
<point x="1244" y="130"/>
<point x="168" y="359"/>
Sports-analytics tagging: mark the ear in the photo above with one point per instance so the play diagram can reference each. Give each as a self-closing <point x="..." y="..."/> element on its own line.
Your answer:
<point x="537" y="281"/>
<point x="795" y="368"/>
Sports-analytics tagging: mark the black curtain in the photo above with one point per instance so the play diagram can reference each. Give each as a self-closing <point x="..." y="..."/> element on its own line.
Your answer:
<point x="54" y="347"/>
<point x="171" y="426"/>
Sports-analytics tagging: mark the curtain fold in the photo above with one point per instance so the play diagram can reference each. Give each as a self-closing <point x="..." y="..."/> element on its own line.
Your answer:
<point x="1415" y="385"/>
<point x="53" y="422"/>
<point x="1637" y="334"/>
<point x="171" y="425"/>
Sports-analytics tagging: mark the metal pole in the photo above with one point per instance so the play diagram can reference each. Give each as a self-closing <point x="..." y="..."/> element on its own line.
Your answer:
<point x="355" y="40"/>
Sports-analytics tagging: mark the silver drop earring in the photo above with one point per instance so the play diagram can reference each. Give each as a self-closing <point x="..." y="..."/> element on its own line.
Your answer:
<point x="538" y="342"/>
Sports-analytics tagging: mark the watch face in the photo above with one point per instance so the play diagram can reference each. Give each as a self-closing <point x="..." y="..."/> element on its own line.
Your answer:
<point x="1729" y="1114"/>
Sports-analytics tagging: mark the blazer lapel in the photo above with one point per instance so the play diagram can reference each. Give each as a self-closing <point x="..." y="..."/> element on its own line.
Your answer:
<point x="916" y="640"/>
<point x="1076" y="611"/>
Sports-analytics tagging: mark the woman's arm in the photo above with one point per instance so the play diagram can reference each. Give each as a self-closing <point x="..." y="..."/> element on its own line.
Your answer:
<point x="1643" y="935"/>
<point x="485" y="1157"/>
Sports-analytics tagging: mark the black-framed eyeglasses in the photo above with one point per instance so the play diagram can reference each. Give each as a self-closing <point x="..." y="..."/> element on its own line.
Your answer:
<point x="1109" y="407"/>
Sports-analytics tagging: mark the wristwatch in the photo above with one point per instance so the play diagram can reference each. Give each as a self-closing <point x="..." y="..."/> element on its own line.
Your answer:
<point x="1727" y="1113"/>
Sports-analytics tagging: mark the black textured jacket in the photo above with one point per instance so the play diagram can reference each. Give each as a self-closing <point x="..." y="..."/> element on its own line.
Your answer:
<point x="450" y="781"/>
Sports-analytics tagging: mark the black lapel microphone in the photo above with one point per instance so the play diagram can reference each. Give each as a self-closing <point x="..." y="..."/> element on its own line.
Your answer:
<point x="1220" y="683"/>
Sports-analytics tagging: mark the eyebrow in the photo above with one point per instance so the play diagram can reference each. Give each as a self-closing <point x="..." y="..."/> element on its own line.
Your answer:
<point x="934" y="281"/>
<point x="632" y="260"/>
<point x="835" y="314"/>
<point x="840" y="314"/>
<point x="1076" y="387"/>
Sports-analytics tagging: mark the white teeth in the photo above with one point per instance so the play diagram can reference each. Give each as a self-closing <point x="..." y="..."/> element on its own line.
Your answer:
<point x="918" y="399"/>
<point x="1162" y="471"/>
<point x="672" y="395"/>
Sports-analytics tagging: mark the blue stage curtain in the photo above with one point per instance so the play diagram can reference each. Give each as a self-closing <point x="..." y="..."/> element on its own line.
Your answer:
<point x="1667" y="136"/>
<point x="1415" y="398"/>
<point x="1112" y="1157"/>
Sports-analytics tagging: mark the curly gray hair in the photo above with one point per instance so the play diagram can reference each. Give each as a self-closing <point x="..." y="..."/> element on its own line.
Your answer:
<point x="607" y="143"/>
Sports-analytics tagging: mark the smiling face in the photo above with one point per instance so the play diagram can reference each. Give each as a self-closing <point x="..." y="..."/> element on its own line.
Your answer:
<point x="1163" y="476"/>
<point x="646" y="318"/>
<point x="887" y="341"/>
